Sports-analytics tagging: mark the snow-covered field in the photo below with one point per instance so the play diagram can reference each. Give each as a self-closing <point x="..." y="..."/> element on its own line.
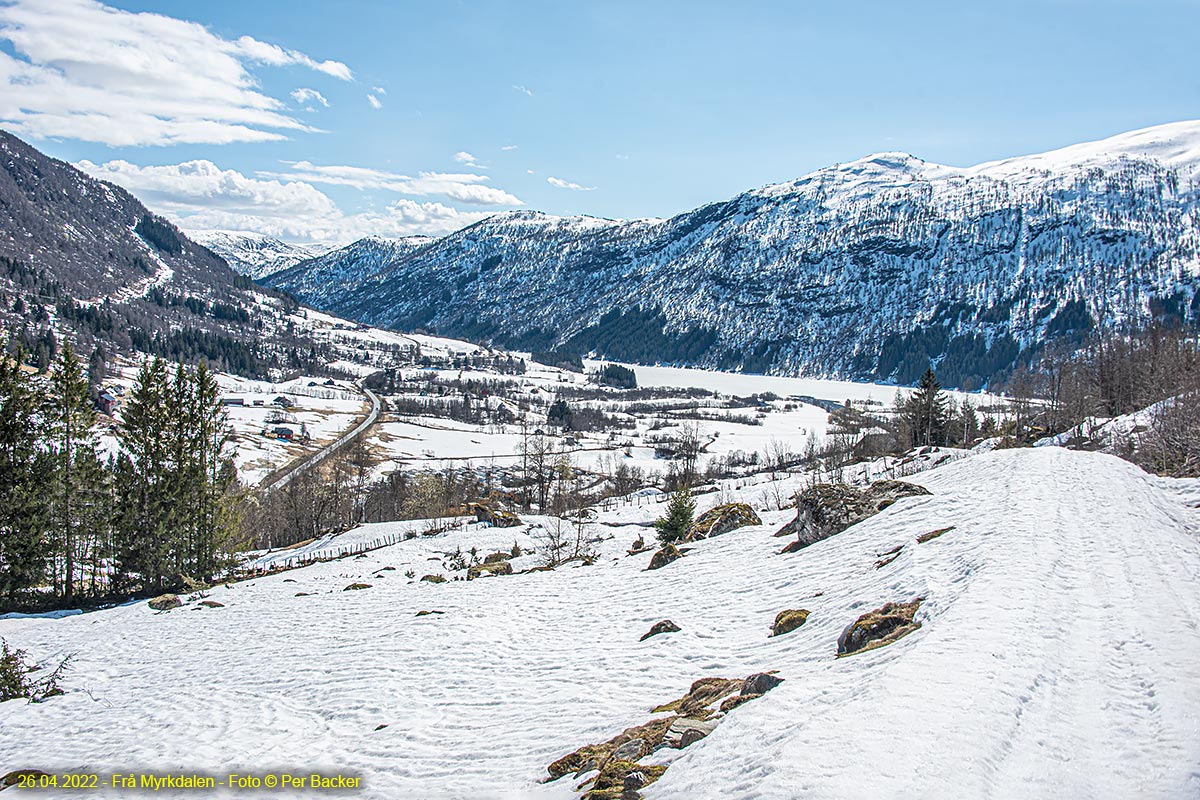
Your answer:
<point x="1058" y="656"/>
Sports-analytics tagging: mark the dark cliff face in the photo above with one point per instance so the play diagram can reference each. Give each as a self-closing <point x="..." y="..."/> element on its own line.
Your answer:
<point x="868" y="270"/>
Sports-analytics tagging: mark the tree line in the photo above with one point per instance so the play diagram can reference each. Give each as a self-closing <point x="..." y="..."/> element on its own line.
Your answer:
<point x="85" y="520"/>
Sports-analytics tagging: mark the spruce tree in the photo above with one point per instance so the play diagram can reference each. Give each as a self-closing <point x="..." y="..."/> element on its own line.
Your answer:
<point x="24" y="473"/>
<point x="72" y="447"/>
<point x="673" y="525"/>
<point x="924" y="412"/>
<point x="143" y="541"/>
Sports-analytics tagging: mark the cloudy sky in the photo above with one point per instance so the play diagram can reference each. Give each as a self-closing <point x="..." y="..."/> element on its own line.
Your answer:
<point x="323" y="122"/>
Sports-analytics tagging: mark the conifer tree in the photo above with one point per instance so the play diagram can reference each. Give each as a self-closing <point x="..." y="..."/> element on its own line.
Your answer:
<point x="24" y="513"/>
<point x="673" y="525"/>
<point x="142" y="536"/>
<point x="925" y="413"/>
<point x="72" y="447"/>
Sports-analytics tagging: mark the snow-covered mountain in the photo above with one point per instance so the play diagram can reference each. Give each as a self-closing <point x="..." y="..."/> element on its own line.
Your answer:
<point x="255" y="254"/>
<point x="871" y="269"/>
<point x="338" y="272"/>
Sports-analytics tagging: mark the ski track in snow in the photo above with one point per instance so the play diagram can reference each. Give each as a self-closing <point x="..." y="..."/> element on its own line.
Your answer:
<point x="1058" y="657"/>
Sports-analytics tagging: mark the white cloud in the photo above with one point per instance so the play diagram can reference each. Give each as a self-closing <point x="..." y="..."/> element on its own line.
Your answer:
<point x="463" y="157"/>
<point x="464" y="187"/>
<point x="575" y="187"/>
<point x="509" y="147"/>
<point x="305" y="96"/>
<point x="523" y="90"/>
<point x="622" y="157"/>
<point x="199" y="195"/>
<point x="378" y="90"/>
<point x="83" y="70"/>
<point x="374" y="101"/>
<point x="276" y="56"/>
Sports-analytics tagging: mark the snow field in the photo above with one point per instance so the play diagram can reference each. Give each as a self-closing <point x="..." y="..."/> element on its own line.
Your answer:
<point x="1058" y="656"/>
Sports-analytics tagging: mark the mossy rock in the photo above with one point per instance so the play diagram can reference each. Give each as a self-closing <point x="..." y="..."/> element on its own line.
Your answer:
<point x="664" y="556"/>
<point x="622" y="777"/>
<point x="427" y="613"/>
<point x="13" y="778"/>
<point x="888" y="557"/>
<point x="731" y="703"/>
<point x="165" y="602"/>
<point x="494" y="516"/>
<point x="925" y="537"/>
<point x="722" y="519"/>
<point x="303" y="594"/>
<point x="829" y="508"/>
<point x="788" y="620"/>
<point x="703" y="693"/>
<point x="211" y="604"/>
<point x="594" y="756"/>
<point x="356" y="586"/>
<point x="494" y="568"/>
<point x="493" y="558"/>
<point x="880" y="627"/>
<point x="433" y="578"/>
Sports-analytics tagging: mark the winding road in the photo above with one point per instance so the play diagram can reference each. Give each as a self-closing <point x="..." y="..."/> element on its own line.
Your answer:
<point x="329" y="449"/>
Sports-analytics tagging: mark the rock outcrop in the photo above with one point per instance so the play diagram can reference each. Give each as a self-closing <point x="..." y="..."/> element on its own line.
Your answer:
<point x="829" y="508"/>
<point x="664" y="556"/>
<point x="722" y="519"/>
<point x="494" y="516"/>
<point x="489" y="568"/>
<point x="880" y="627"/>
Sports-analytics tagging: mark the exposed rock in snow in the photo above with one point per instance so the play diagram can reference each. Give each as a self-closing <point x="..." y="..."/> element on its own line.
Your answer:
<point x="877" y="628"/>
<point x="828" y="508"/>
<point x="722" y="519"/>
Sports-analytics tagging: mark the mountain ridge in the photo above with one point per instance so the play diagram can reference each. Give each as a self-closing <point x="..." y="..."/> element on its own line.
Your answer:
<point x="873" y="269"/>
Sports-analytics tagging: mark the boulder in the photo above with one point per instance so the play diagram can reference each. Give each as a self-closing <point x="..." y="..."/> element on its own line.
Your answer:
<point x="829" y="508"/>
<point x="880" y="627"/>
<point x="665" y="626"/>
<point x="494" y="558"/>
<point x="788" y="620"/>
<point x="721" y="519"/>
<point x="493" y="568"/>
<point x="355" y="586"/>
<point x="165" y="602"/>
<point x="211" y="604"/>
<point x="685" y="731"/>
<point x="760" y="683"/>
<point x="664" y="556"/>
<point x="494" y="516"/>
<point x="427" y="613"/>
<point x="433" y="579"/>
<point x="731" y="703"/>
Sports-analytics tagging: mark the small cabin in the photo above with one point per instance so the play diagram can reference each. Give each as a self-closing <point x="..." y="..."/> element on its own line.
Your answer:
<point x="282" y="402"/>
<point x="287" y="434"/>
<point x="233" y="401"/>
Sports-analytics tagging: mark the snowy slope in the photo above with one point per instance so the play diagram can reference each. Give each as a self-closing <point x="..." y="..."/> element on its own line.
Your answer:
<point x="1058" y="657"/>
<point x="966" y="267"/>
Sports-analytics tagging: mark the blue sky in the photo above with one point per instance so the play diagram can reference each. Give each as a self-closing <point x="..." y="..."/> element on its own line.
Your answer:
<point x="617" y="109"/>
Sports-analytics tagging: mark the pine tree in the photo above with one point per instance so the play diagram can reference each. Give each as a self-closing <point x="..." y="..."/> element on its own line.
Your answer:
<point x="72" y="445"/>
<point x="924" y="412"/>
<point x="673" y="525"/>
<point x="24" y="472"/>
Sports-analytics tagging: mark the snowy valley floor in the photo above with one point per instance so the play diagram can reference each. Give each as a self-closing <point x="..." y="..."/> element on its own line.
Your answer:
<point x="1059" y="656"/>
